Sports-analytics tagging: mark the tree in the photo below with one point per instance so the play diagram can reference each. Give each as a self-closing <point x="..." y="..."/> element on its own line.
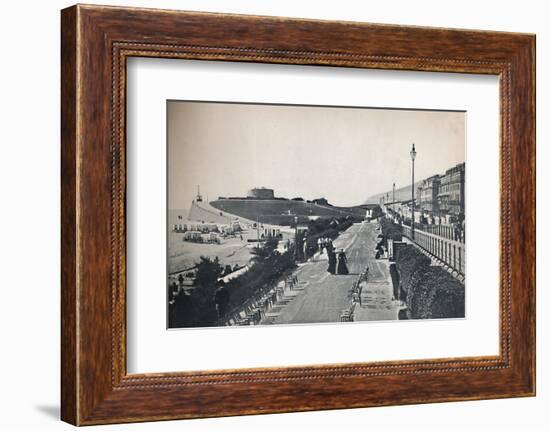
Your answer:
<point x="208" y="271"/>
<point x="263" y="253"/>
<point x="197" y="309"/>
<point x="180" y="311"/>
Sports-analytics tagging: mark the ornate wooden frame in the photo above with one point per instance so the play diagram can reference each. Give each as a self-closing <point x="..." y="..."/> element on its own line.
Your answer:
<point x="95" y="43"/>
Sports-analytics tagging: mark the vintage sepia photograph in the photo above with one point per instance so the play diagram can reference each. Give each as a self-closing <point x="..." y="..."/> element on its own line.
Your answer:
<point x="294" y="214"/>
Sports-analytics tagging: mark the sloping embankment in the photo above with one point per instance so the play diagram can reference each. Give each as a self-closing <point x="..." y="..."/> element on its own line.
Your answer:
<point x="280" y="211"/>
<point x="204" y="212"/>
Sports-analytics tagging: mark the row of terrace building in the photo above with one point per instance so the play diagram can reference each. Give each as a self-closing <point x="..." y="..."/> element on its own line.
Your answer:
<point x="443" y="194"/>
<point x="439" y="199"/>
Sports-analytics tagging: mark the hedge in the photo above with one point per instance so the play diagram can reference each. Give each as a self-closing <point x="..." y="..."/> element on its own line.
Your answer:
<point x="409" y="260"/>
<point x="261" y="276"/>
<point x="395" y="280"/>
<point x="431" y="292"/>
<point x="390" y="230"/>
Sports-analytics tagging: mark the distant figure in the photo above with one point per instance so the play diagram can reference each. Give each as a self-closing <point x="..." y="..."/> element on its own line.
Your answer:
<point x="221" y="298"/>
<point x="342" y="263"/>
<point x="331" y="261"/>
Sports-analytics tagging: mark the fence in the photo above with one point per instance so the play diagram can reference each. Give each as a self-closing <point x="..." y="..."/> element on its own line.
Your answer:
<point x="452" y="253"/>
<point x="356" y="289"/>
<point x="448" y="232"/>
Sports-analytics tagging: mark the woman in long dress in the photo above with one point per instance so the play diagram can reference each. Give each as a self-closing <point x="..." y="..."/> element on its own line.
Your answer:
<point x="331" y="261"/>
<point x="342" y="268"/>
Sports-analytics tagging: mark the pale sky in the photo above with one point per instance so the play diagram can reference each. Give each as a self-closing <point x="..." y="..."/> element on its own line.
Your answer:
<point x="342" y="154"/>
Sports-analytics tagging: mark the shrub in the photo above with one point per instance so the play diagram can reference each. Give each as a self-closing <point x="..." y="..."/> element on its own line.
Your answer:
<point x="260" y="254"/>
<point x="408" y="260"/>
<point x="435" y="294"/>
<point x="448" y="300"/>
<point x="419" y="294"/>
<point x="390" y="230"/>
<point x="260" y="277"/>
<point x="327" y="228"/>
<point x="197" y="309"/>
<point x="208" y="271"/>
<point x="194" y="310"/>
<point x="431" y="292"/>
<point x="395" y="280"/>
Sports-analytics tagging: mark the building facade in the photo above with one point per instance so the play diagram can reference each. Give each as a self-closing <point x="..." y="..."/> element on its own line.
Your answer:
<point x="428" y="194"/>
<point x="451" y="196"/>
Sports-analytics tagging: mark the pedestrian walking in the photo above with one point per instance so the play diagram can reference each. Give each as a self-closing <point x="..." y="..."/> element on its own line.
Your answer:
<point x="342" y="268"/>
<point x="331" y="261"/>
<point x="330" y="247"/>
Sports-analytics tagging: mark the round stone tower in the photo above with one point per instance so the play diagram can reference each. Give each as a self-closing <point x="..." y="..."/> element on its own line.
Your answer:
<point x="260" y="193"/>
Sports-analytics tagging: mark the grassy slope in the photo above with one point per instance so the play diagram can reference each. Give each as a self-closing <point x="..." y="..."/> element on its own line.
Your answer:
<point x="277" y="211"/>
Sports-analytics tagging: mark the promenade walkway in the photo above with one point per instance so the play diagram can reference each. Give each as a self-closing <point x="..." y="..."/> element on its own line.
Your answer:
<point x="324" y="296"/>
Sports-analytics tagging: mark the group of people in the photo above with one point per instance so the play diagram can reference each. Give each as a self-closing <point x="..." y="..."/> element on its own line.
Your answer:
<point x="337" y="262"/>
<point x="324" y="244"/>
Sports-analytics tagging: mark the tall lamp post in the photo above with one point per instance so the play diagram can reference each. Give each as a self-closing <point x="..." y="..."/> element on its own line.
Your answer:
<point x="257" y="231"/>
<point x="295" y="237"/>
<point x="413" y="156"/>
<point x="393" y="201"/>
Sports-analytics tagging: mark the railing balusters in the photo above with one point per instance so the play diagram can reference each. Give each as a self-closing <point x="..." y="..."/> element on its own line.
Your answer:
<point x="440" y="242"/>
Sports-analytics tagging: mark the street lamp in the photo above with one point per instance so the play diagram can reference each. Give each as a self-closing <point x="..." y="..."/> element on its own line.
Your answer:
<point x="413" y="156"/>
<point x="393" y="201"/>
<point x="295" y="237"/>
<point x="257" y="231"/>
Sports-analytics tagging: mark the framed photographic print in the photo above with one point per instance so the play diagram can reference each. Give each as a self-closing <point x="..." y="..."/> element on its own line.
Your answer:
<point x="267" y="215"/>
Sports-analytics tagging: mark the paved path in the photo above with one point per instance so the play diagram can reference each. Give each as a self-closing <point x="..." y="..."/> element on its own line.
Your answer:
<point x="326" y="295"/>
<point x="377" y="302"/>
